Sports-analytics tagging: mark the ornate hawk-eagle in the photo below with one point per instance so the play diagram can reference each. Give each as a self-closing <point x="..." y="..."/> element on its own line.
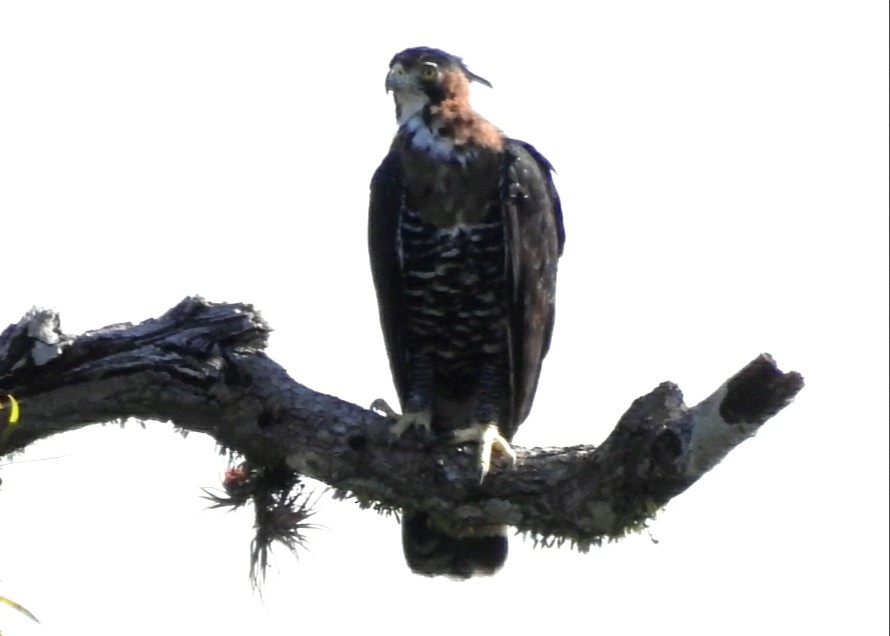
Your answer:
<point x="465" y="231"/>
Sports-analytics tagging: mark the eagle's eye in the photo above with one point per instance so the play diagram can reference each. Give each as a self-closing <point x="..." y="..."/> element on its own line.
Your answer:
<point x="429" y="71"/>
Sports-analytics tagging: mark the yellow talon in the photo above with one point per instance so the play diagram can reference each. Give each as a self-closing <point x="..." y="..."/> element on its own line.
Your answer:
<point x="13" y="410"/>
<point x="20" y="608"/>
<point x="12" y="420"/>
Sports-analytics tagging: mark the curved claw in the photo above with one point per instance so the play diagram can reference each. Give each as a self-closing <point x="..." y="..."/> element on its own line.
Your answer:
<point x="381" y="405"/>
<point x="422" y="420"/>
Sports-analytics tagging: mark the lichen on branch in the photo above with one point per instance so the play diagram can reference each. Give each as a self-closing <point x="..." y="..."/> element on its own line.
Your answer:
<point x="202" y="366"/>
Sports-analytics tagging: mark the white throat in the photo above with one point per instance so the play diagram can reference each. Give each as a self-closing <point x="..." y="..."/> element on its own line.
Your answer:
<point x="409" y="105"/>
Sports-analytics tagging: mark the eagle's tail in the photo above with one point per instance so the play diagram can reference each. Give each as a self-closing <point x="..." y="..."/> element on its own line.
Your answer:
<point x="431" y="552"/>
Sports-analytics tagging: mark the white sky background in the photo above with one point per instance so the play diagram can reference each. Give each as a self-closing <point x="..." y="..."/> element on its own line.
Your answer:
<point x="723" y="168"/>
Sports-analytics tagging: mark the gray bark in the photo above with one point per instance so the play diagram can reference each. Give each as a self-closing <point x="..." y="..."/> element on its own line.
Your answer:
<point x="202" y="366"/>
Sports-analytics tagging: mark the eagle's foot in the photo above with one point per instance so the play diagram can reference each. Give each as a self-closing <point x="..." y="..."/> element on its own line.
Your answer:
<point x="490" y="442"/>
<point x="422" y="420"/>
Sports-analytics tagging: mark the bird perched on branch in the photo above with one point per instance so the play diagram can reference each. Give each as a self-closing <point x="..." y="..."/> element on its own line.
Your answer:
<point x="465" y="230"/>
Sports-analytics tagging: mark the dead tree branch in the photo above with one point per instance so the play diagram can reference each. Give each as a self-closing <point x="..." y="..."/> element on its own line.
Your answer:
<point x="201" y="366"/>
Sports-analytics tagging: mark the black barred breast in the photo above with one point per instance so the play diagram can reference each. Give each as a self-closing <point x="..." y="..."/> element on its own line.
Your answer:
<point x="454" y="297"/>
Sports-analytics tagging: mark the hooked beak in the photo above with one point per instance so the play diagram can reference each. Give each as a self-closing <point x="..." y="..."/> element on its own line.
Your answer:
<point x="395" y="79"/>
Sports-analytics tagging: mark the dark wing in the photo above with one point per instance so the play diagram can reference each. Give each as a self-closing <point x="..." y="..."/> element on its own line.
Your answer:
<point x="383" y="230"/>
<point x="534" y="236"/>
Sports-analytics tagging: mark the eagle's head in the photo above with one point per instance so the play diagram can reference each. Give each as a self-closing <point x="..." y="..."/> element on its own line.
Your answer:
<point x="422" y="76"/>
